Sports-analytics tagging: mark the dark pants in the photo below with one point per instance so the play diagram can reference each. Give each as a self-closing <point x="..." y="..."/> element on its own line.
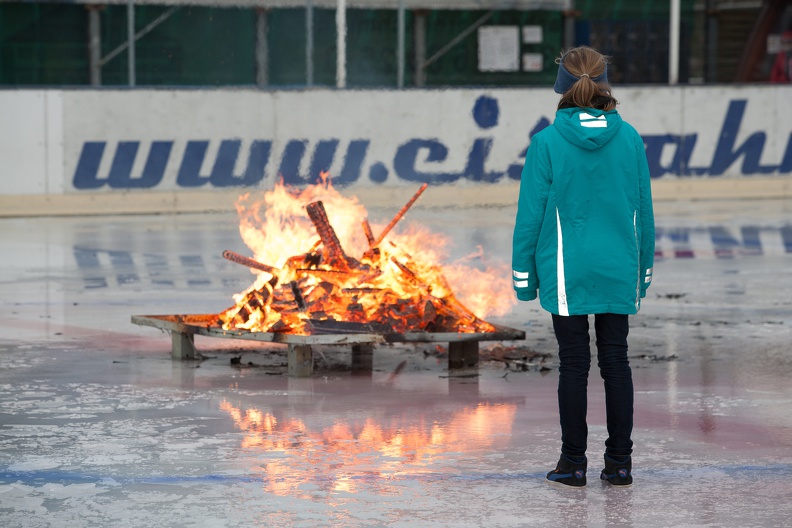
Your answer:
<point x="572" y="333"/>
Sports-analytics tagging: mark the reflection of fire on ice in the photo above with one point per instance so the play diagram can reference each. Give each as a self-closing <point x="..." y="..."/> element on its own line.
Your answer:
<point x="374" y="447"/>
<point x="308" y="284"/>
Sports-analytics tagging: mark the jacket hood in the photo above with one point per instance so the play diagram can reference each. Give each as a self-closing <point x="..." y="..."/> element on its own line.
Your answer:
<point x="587" y="128"/>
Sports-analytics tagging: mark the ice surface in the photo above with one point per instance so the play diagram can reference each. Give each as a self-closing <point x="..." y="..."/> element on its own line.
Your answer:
<point x="98" y="427"/>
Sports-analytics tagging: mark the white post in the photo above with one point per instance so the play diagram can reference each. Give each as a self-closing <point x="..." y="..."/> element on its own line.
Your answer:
<point x="400" y="46"/>
<point x="94" y="45"/>
<point x="262" y="48"/>
<point x="309" y="43"/>
<point x="341" y="44"/>
<point x="673" y="43"/>
<point x="131" y="40"/>
<point x="420" y="47"/>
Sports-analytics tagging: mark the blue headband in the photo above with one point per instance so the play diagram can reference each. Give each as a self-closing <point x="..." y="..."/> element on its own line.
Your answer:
<point x="565" y="80"/>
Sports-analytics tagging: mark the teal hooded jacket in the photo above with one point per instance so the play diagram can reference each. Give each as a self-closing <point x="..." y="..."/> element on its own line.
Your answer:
<point x="584" y="233"/>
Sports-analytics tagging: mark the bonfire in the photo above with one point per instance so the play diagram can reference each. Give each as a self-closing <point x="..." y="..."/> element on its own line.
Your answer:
<point x="321" y="269"/>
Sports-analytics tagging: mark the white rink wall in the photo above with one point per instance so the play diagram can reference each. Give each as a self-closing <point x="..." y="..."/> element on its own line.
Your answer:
<point x="159" y="151"/>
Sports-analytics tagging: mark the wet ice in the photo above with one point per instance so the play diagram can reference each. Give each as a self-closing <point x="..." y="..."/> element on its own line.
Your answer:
<point x="98" y="426"/>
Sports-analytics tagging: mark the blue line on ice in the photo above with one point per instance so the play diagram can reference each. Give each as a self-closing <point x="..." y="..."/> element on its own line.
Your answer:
<point x="40" y="478"/>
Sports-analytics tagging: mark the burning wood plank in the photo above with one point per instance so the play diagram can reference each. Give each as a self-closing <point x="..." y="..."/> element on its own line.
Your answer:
<point x="399" y="215"/>
<point x="334" y="254"/>
<point x="249" y="262"/>
<point x="369" y="235"/>
<point x="331" y="275"/>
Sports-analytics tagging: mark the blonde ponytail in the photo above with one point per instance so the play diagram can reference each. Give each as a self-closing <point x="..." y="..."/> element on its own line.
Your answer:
<point x="590" y="89"/>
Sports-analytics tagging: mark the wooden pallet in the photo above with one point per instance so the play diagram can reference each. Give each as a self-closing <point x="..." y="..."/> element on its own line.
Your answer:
<point x="463" y="348"/>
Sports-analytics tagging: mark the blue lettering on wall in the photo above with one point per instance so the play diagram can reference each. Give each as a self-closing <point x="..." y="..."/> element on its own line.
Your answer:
<point x="786" y="162"/>
<point x="222" y="174"/>
<point x="727" y="153"/>
<point x="353" y="162"/>
<point x="474" y="170"/>
<point x="88" y="166"/>
<point x="190" y="169"/>
<point x="420" y="160"/>
<point x="86" y="176"/>
<point x="290" y="163"/>
<point x="435" y="152"/>
<point x="378" y="172"/>
<point x="322" y="159"/>
<point x="515" y="170"/>
<point x="681" y="159"/>
<point x="486" y="112"/>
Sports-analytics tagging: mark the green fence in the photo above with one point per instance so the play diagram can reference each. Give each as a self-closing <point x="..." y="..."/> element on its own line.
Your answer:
<point x="47" y="44"/>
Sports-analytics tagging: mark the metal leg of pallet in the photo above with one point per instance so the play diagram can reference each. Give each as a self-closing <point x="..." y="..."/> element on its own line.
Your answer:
<point x="363" y="359"/>
<point x="300" y="361"/>
<point x="463" y="355"/>
<point x="183" y="346"/>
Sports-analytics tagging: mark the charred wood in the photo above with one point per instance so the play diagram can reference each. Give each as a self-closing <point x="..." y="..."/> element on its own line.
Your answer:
<point x="280" y="326"/>
<point x="361" y="290"/>
<point x="333" y="252"/>
<point x="331" y="326"/>
<point x="298" y="298"/>
<point x="368" y="233"/>
<point x="249" y="262"/>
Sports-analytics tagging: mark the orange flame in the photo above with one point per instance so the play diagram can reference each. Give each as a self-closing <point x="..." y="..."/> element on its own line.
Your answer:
<point x="374" y="288"/>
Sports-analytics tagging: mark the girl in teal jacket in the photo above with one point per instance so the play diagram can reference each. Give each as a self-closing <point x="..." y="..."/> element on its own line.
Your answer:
<point x="584" y="243"/>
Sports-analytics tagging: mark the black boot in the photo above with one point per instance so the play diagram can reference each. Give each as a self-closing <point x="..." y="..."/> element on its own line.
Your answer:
<point x="617" y="473"/>
<point x="568" y="472"/>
